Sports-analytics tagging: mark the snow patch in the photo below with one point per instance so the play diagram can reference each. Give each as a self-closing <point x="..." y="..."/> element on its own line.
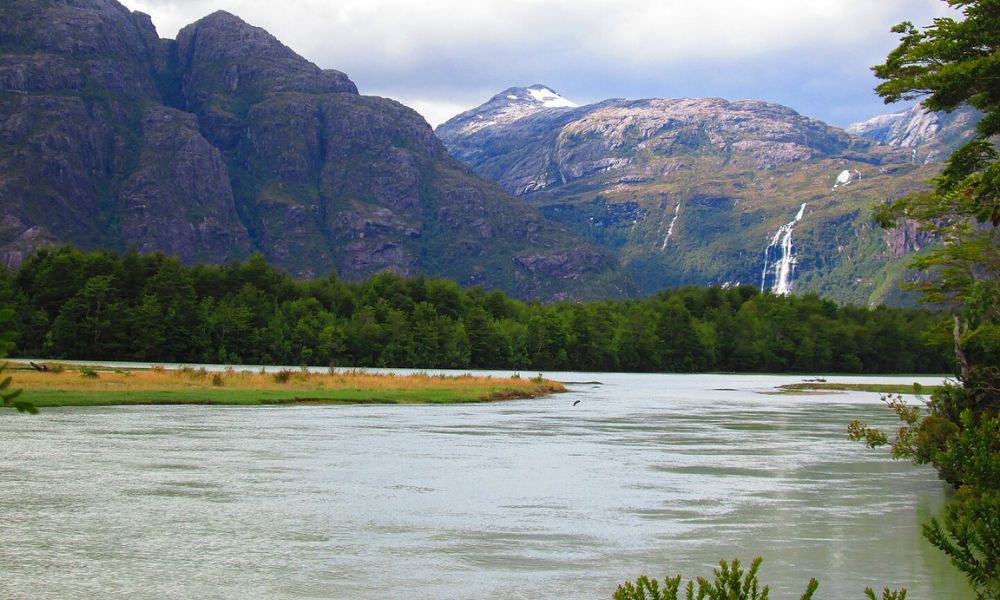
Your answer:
<point x="550" y="99"/>
<point x="846" y="177"/>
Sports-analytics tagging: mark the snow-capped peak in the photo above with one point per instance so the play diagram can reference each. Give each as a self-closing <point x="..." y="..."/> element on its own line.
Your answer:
<point x="550" y="99"/>
<point x="508" y="106"/>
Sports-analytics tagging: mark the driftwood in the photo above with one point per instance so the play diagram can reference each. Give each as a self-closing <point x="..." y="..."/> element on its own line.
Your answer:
<point x="43" y="368"/>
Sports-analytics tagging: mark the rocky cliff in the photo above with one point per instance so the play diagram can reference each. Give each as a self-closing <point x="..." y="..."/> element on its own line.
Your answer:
<point x="705" y="191"/>
<point x="224" y="142"/>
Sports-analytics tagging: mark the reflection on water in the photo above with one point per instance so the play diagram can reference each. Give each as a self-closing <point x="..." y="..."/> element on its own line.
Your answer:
<point x="647" y="474"/>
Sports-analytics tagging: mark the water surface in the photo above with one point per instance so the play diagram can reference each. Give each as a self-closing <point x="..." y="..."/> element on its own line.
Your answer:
<point x="656" y="474"/>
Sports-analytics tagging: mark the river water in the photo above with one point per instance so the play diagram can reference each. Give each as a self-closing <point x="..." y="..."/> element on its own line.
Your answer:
<point x="655" y="474"/>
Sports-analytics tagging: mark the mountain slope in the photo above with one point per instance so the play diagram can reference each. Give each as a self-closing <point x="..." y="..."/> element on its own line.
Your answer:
<point x="706" y="191"/>
<point x="225" y="142"/>
<point x="930" y="136"/>
<point x="85" y="141"/>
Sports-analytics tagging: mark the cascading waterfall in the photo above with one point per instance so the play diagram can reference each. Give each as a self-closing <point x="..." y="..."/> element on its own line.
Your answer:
<point x="670" y="228"/>
<point x="783" y="267"/>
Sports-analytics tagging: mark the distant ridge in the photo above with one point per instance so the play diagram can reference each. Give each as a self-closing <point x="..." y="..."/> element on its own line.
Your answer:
<point x="697" y="190"/>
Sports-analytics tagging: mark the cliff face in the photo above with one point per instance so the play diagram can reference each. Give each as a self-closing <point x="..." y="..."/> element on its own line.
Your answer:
<point x="90" y="155"/>
<point x="226" y="142"/>
<point x="705" y="191"/>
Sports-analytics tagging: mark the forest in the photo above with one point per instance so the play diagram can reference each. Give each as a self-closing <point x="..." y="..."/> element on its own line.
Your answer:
<point x="103" y="305"/>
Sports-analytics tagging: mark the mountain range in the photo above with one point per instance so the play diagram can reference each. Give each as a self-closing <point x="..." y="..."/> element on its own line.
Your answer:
<point x="225" y="142"/>
<point x="711" y="191"/>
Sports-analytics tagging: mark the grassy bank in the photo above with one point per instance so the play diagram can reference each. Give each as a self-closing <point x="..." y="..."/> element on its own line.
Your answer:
<point x="82" y="386"/>
<point x="880" y="388"/>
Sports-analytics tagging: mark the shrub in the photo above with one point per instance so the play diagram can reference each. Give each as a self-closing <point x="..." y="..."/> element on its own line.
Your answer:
<point x="731" y="583"/>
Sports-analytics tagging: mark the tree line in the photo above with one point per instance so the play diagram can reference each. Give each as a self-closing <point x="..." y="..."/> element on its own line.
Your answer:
<point x="103" y="305"/>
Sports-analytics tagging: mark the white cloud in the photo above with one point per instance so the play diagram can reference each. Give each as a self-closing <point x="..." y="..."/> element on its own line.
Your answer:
<point x="444" y="55"/>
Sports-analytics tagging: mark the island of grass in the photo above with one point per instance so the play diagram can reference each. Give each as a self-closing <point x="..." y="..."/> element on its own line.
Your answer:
<point x="94" y="386"/>
<point x="819" y="387"/>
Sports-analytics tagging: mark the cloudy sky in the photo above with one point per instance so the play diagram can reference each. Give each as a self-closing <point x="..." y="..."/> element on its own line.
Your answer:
<point x="444" y="56"/>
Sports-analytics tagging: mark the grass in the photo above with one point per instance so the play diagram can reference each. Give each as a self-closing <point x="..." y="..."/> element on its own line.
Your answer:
<point x="812" y="387"/>
<point x="76" y="386"/>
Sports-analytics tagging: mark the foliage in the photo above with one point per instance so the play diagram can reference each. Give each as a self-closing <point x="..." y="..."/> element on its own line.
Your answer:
<point x="948" y="64"/>
<point x="951" y="63"/>
<point x="101" y="305"/>
<point x="970" y="535"/>
<point x="8" y="395"/>
<point x="887" y="594"/>
<point x="730" y="583"/>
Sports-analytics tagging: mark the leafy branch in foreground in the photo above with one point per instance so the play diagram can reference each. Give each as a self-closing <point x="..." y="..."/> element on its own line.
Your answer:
<point x="731" y="583"/>
<point x="949" y="64"/>
<point x="7" y="394"/>
<point x="887" y="594"/>
<point x="966" y="454"/>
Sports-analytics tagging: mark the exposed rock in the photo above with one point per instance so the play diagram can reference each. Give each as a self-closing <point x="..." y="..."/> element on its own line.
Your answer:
<point x="178" y="199"/>
<point x="222" y="55"/>
<point x="905" y="238"/>
<point x="708" y="182"/>
<point x="226" y="142"/>
<point x="928" y="135"/>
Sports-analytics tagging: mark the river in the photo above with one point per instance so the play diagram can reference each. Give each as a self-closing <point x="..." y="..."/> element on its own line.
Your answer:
<point x="654" y="474"/>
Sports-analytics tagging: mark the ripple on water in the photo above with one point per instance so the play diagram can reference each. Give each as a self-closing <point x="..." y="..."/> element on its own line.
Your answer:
<point x="650" y="474"/>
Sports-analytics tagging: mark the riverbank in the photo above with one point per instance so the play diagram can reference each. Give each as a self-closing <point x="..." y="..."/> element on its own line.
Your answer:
<point x="75" y="385"/>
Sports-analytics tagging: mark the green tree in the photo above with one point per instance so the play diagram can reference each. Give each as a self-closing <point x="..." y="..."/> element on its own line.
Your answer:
<point x="949" y="64"/>
<point x="8" y="395"/>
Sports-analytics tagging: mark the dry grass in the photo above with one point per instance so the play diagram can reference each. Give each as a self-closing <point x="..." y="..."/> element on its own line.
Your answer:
<point x="75" y="385"/>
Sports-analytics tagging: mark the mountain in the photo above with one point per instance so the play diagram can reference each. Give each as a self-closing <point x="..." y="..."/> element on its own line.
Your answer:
<point x="930" y="136"/>
<point x="225" y="142"/>
<point x="706" y="191"/>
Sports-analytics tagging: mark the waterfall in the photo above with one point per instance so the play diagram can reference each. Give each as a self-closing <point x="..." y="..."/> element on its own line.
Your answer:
<point x="670" y="228"/>
<point x="781" y="249"/>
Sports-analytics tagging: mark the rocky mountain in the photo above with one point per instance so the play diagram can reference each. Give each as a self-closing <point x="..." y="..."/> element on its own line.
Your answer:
<point x="224" y="142"/>
<point x="930" y="136"/>
<point x="707" y="191"/>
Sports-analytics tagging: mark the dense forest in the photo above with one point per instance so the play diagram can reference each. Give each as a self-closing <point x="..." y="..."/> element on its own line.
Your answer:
<point x="102" y="305"/>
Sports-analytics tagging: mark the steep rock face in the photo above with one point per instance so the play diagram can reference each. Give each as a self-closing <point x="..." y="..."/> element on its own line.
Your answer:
<point x="221" y="55"/>
<point x="68" y="46"/>
<point x="226" y="142"/>
<point x="89" y="155"/>
<point x="329" y="180"/>
<point x="178" y="199"/>
<point x="703" y="191"/>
